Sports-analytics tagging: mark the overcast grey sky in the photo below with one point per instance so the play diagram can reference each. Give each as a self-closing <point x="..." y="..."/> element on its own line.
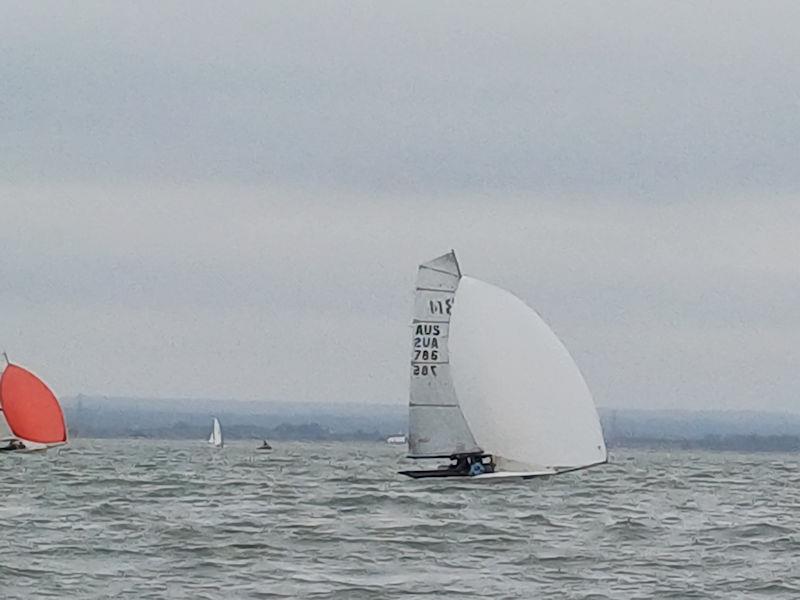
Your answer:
<point x="230" y="201"/>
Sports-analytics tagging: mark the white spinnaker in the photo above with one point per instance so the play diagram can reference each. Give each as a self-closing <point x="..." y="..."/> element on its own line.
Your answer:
<point x="216" y="434"/>
<point x="519" y="390"/>
<point x="436" y="426"/>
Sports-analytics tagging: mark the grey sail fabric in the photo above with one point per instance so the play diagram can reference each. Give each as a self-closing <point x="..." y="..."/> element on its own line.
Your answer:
<point x="5" y="431"/>
<point x="436" y="425"/>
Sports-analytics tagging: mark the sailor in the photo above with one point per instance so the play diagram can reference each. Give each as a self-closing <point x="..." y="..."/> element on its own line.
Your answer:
<point x="477" y="468"/>
<point x="489" y="466"/>
<point x="460" y="464"/>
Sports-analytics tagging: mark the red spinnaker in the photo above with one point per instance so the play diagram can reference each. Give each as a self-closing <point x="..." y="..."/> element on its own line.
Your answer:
<point x="30" y="408"/>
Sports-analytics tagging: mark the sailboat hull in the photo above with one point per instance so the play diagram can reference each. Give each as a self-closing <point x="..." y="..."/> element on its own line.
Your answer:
<point x="497" y="475"/>
<point x="29" y="446"/>
<point x="500" y="475"/>
<point x="431" y="473"/>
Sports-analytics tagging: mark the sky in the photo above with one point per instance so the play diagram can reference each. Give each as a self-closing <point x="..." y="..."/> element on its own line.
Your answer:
<point x="230" y="201"/>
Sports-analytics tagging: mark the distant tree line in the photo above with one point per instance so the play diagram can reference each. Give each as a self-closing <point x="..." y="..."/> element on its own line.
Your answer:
<point x="741" y="443"/>
<point x="98" y="417"/>
<point x="186" y="431"/>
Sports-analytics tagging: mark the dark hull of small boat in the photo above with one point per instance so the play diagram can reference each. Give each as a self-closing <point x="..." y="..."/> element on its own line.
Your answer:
<point x="434" y="473"/>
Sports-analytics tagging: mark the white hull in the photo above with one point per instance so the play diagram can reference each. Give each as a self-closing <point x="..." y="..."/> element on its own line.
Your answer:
<point x="485" y="479"/>
<point x="499" y="475"/>
<point x="29" y="450"/>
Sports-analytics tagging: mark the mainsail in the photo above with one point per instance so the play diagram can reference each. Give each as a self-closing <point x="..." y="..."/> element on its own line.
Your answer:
<point x="504" y="384"/>
<point x="30" y="410"/>
<point x="436" y="425"/>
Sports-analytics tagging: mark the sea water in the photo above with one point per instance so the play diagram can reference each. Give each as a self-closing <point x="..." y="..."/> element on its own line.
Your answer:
<point x="166" y="519"/>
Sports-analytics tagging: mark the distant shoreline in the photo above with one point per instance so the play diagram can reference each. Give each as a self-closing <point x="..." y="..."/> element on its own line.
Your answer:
<point x="132" y="418"/>
<point x="733" y="443"/>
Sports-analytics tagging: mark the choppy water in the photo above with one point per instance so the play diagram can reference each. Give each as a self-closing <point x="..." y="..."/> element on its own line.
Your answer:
<point x="143" y="519"/>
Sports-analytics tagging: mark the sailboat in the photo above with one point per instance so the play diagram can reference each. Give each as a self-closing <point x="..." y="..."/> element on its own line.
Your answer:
<point x="492" y="388"/>
<point x="30" y="415"/>
<point x="216" y="434"/>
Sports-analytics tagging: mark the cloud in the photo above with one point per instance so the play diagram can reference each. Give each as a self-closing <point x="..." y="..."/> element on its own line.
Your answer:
<point x="635" y="97"/>
<point x="255" y="293"/>
<point x="231" y="201"/>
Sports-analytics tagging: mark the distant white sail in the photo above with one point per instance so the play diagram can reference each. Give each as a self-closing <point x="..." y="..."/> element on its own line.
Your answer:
<point x="216" y="434"/>
<point x="503" y="383"/>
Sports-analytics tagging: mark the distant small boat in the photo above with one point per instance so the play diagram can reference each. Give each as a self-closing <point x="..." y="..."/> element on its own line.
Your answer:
<point x="31" y="418"/>
<point x="492" y="387"/>
<point x="216" y="434"/>
<point x="264" y="446"/>
<point x="396" y="439"/>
